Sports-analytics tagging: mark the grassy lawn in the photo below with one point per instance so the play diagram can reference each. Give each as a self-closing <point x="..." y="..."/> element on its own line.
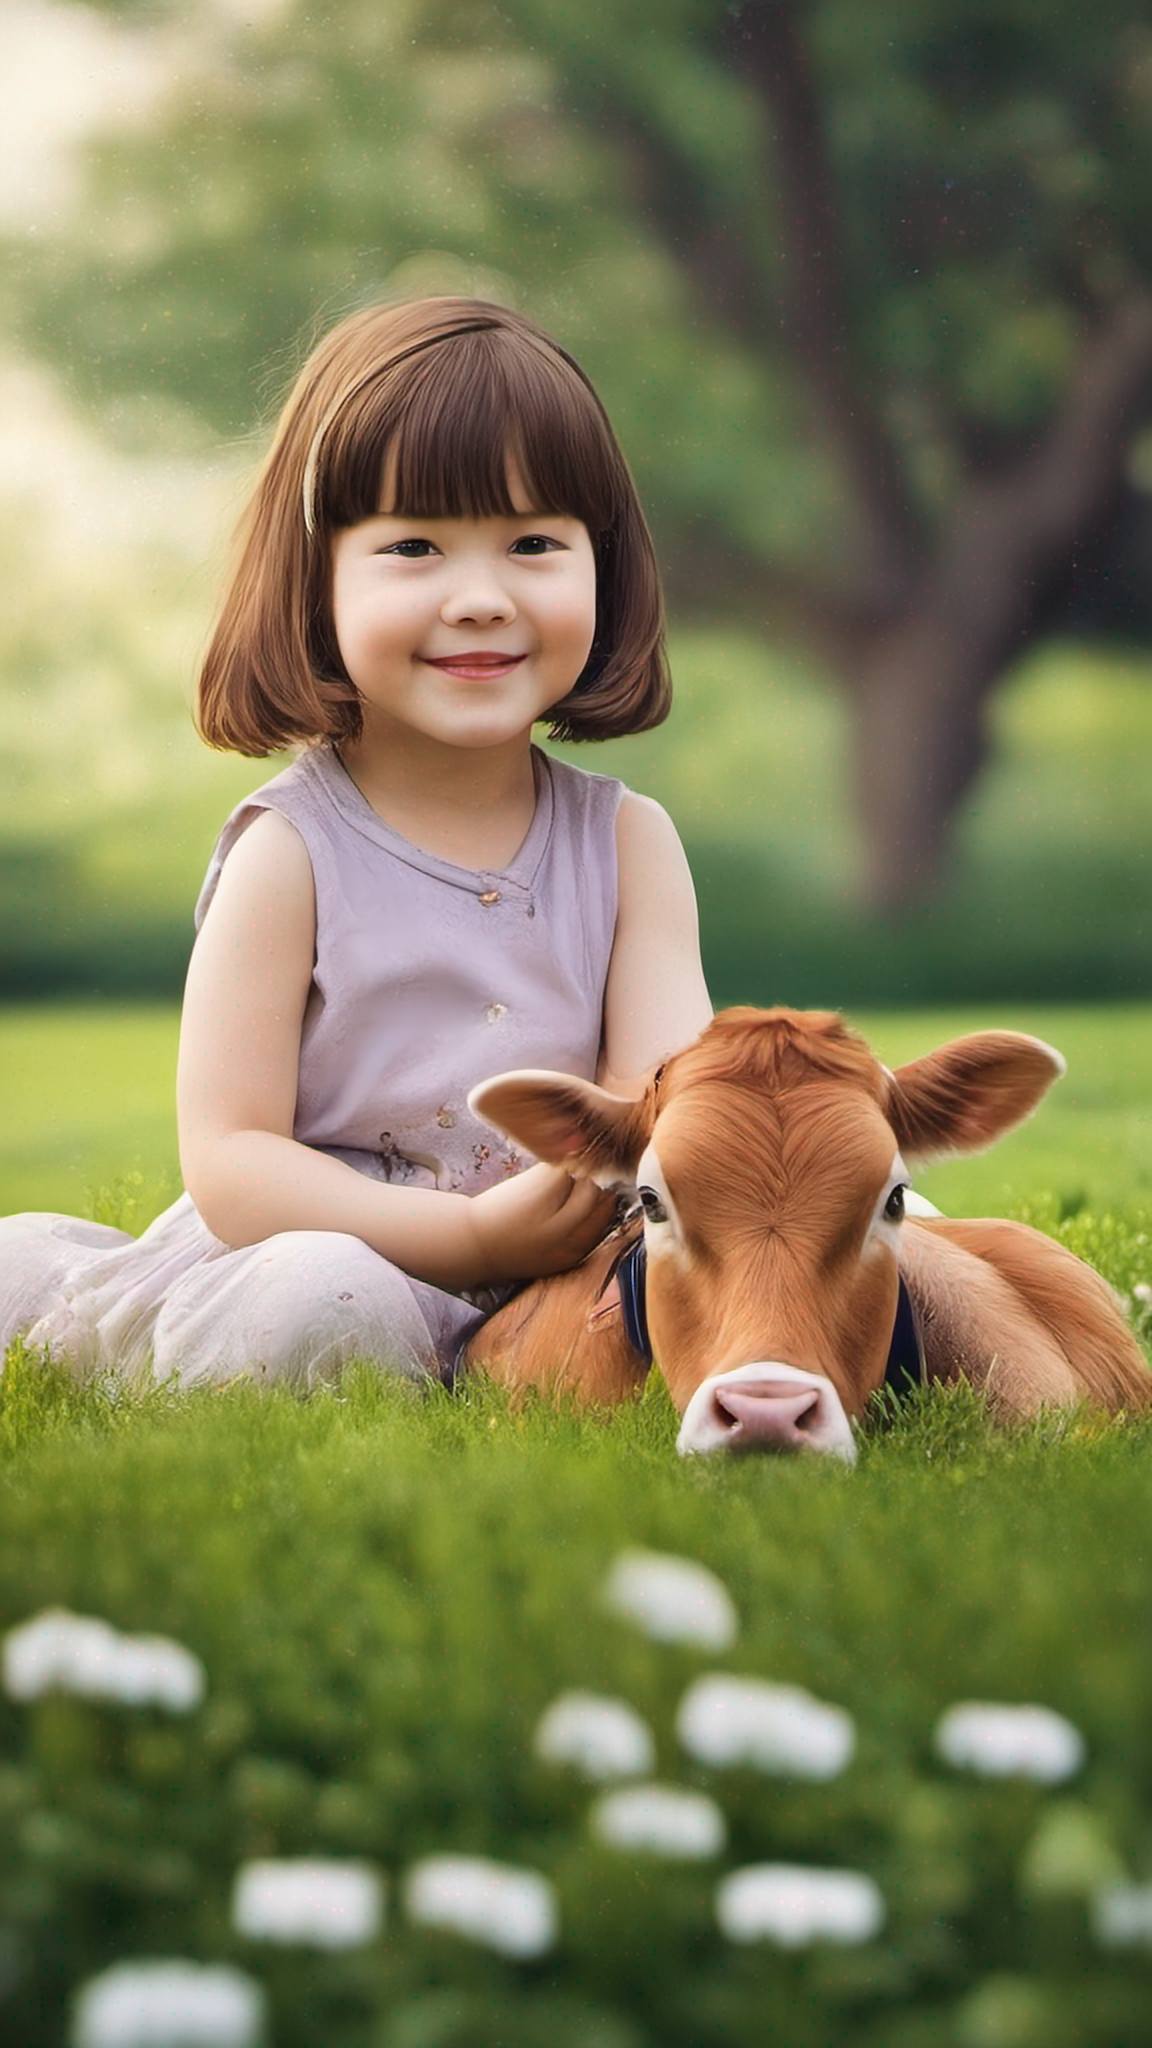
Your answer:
<point x="386" y="1593"/>
<point x="86" y="1100"/>
<point x="386" y="1596"/>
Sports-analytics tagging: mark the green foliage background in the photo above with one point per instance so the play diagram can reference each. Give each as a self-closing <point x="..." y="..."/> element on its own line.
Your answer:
<point x="992" y="161"/>
<point x="992" y="166"/>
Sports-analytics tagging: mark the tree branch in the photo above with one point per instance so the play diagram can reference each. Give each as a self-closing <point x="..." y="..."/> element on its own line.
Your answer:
<point x="918" y="688"/>
<point x="1011" y="535"/>
<point x="766" y="46"/>
<point x="674" y="199"/>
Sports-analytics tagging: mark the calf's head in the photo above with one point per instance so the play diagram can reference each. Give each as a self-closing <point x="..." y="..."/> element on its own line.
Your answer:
<point x="770" y="1159"/>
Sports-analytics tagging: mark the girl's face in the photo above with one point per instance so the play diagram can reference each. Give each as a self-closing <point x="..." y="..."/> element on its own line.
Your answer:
<point x="464" y="631"/>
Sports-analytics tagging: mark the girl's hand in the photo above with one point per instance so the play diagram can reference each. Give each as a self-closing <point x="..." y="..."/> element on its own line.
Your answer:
<point x="541" y="1221"/>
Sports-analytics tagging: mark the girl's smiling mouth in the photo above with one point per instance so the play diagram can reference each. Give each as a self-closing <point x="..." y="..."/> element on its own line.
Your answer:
<point x="475" y="666"/>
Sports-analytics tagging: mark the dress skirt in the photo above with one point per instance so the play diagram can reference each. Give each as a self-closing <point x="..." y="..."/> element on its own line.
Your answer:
<point x="177" y="1305"/>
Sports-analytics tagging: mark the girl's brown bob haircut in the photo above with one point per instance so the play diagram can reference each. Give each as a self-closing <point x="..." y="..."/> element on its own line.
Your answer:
<point x="438" y="394"/>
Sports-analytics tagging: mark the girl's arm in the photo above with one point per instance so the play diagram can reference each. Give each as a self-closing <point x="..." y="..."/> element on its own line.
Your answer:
<point x="248" y="984"/>
<point x="656" y="1000"/>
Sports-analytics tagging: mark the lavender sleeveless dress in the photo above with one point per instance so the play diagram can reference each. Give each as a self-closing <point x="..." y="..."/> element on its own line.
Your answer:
<point x="428" y="978"/>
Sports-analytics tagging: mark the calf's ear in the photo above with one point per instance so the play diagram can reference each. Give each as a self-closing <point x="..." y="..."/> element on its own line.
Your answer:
<point x="568" y="1123"/>
<point x="965" y="1096"/>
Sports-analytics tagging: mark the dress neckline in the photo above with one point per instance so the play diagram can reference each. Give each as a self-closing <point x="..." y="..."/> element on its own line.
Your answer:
<point x="323" y="764"/>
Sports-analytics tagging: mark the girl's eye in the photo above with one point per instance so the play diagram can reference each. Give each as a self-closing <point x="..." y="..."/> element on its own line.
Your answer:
<point x="411" y="550"/>
<point x="652" y="1206"/>
<point x="535" y="544"/>
<point x="894" y="1206"/>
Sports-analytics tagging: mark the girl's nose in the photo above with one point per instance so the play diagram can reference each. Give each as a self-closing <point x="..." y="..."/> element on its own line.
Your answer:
<point x="478" y="597"/>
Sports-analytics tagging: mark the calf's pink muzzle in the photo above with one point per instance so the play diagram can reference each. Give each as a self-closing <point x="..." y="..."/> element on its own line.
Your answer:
<point x="767" y="1406"/>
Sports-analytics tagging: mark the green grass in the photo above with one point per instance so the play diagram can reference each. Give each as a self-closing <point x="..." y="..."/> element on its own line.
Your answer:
<point x="387" y="1590"/>
<point x="86" y="1103"/>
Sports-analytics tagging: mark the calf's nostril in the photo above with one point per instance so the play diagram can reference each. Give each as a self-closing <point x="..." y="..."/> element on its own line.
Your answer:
<point x="727" y="1410"/>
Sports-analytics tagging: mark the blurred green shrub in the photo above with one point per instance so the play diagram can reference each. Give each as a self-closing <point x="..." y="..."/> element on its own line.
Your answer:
<point x="1050" y="893"/>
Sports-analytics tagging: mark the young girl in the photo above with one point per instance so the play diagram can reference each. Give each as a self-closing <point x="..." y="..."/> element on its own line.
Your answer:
<point x="444" y="547"/>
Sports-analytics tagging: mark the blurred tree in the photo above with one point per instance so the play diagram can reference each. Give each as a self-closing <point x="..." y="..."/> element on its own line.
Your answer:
<point x="868" y="290"/>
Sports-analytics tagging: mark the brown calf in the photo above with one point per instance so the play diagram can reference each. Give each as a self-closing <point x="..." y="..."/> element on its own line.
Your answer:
<point x="770" y="1160"/>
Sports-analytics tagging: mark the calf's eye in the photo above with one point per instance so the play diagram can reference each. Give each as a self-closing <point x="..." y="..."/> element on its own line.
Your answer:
<point x="894" y="1206"/>
<point x="652" y="1206"/>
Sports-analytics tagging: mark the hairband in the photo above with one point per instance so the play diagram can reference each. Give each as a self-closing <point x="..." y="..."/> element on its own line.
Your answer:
<point x="312" y="465"/>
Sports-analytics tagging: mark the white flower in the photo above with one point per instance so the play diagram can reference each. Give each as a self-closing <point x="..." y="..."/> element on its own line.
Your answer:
<point x="513" y="1911"/>
<point x="1122" y="1916"/>
<point x="1143" y="1293"/>
<point x="1010" y="1742"/>
<point x="169" y="2005"/>
<point x="792" y="1905"/>
<point x="150" y="1671"/>
<point x="660" y="1820"/>
<point x="76" y="1653"/>
<point x="673" y="1599"/>
<point x="601" y="1738"/>
<point x="317" y="1901"/>
<point x="777" y="1728"/>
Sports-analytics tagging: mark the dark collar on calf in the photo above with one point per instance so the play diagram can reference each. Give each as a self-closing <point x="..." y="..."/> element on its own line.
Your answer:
<point x="905" y="1363"/>
<point x="905" y="1366"/>
<point x="632" y="1280"/>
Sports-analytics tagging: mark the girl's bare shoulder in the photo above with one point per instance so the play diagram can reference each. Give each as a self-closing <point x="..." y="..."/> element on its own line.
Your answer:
<point x="647" y="841"/>
<point x="267" y="864"/>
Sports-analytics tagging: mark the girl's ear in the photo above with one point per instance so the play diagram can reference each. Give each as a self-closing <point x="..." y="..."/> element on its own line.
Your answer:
<point x="965" y="1096"/>
<point x="568" y="1123"/>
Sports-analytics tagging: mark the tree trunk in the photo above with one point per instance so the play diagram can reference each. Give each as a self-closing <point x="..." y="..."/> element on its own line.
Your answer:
<point x="916" y="750"/>
<point x="919" y="685"/>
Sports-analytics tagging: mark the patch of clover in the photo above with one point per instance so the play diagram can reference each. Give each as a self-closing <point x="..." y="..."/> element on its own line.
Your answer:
<point x="313" y="1902"/>
<point x="724" y="1721"/>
